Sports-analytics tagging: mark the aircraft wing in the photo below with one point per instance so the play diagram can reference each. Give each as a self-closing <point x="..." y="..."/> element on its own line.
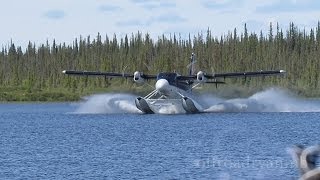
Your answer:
<point x="96" y="73"/>
<point x="245" y="74"/>
<point x="106" y="74"/>
<point x="235" y="75"/>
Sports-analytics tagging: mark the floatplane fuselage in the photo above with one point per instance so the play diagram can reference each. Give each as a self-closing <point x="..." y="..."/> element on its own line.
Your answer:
<point x="173" y="91"/>
<point x="169" y="93"/>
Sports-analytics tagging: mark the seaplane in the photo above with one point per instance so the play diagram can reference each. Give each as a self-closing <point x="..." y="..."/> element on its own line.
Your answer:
<point x="172" y="90"/>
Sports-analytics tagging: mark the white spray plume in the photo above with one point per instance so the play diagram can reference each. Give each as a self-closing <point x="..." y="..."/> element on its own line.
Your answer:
<point x="108" y="104"/>
<point x="270" y="100"/>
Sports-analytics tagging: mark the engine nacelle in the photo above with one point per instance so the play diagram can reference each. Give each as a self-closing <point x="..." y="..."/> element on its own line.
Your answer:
<point x="200" y="77"/>
<point x="137" y="77"/>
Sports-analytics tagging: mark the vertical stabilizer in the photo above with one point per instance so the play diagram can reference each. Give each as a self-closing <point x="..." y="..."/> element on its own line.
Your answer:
<point x="191" y="65"/>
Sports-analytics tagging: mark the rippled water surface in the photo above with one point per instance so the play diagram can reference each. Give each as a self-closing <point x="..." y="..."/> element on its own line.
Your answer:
<point x="41" y="141"/>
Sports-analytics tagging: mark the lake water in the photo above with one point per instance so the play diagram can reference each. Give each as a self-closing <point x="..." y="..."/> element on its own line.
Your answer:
<point x="59" y="141"/>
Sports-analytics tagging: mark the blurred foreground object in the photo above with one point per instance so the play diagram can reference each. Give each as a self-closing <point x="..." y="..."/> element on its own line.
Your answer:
<point x="306" y="161"/>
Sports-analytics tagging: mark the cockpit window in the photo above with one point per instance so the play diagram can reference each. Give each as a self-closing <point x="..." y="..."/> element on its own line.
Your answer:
<point x="170" y="77"/>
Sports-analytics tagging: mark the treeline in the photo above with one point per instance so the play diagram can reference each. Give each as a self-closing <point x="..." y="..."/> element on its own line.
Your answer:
<point x="38" y="68"/>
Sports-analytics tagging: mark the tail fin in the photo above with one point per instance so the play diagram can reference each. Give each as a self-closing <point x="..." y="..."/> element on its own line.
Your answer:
<point x="191" y="65"/>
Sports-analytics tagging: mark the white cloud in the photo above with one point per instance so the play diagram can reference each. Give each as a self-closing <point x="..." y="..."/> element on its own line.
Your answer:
<point x="109" y="8"/>
<point x="55" y="14"/>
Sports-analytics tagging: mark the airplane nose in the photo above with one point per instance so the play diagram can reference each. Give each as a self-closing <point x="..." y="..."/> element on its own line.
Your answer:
<point x="162" y="85"/>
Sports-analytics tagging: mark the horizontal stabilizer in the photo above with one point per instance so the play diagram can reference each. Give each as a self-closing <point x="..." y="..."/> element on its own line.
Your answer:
<point x="215" y="82"/>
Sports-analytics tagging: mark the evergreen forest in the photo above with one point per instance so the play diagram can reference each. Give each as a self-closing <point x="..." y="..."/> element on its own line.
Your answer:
<point x="35" y="72"/>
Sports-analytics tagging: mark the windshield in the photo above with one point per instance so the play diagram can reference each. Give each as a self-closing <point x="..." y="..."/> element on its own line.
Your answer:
<point x="170" y="77"/>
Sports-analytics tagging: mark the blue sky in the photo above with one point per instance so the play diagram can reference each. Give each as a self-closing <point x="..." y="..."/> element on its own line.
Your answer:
<point x="65" y="20"/>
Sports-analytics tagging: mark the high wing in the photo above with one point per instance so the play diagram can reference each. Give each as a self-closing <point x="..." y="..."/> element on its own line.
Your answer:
<point x="96" y="73"/>
<point x="232" y="75"/>
<point x="108" y="74"/>
<point x="245" y="74"/>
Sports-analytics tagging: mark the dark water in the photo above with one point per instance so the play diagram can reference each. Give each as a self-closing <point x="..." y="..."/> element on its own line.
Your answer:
<point x="46" y="141"/>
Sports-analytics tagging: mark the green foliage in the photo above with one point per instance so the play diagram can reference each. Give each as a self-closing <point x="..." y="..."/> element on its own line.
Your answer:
<point x="35" y="74"/>
<point x="23" y="94"/>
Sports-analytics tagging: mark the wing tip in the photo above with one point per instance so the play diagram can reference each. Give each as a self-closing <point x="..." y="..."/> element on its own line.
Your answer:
<point x="282" y="71"/>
